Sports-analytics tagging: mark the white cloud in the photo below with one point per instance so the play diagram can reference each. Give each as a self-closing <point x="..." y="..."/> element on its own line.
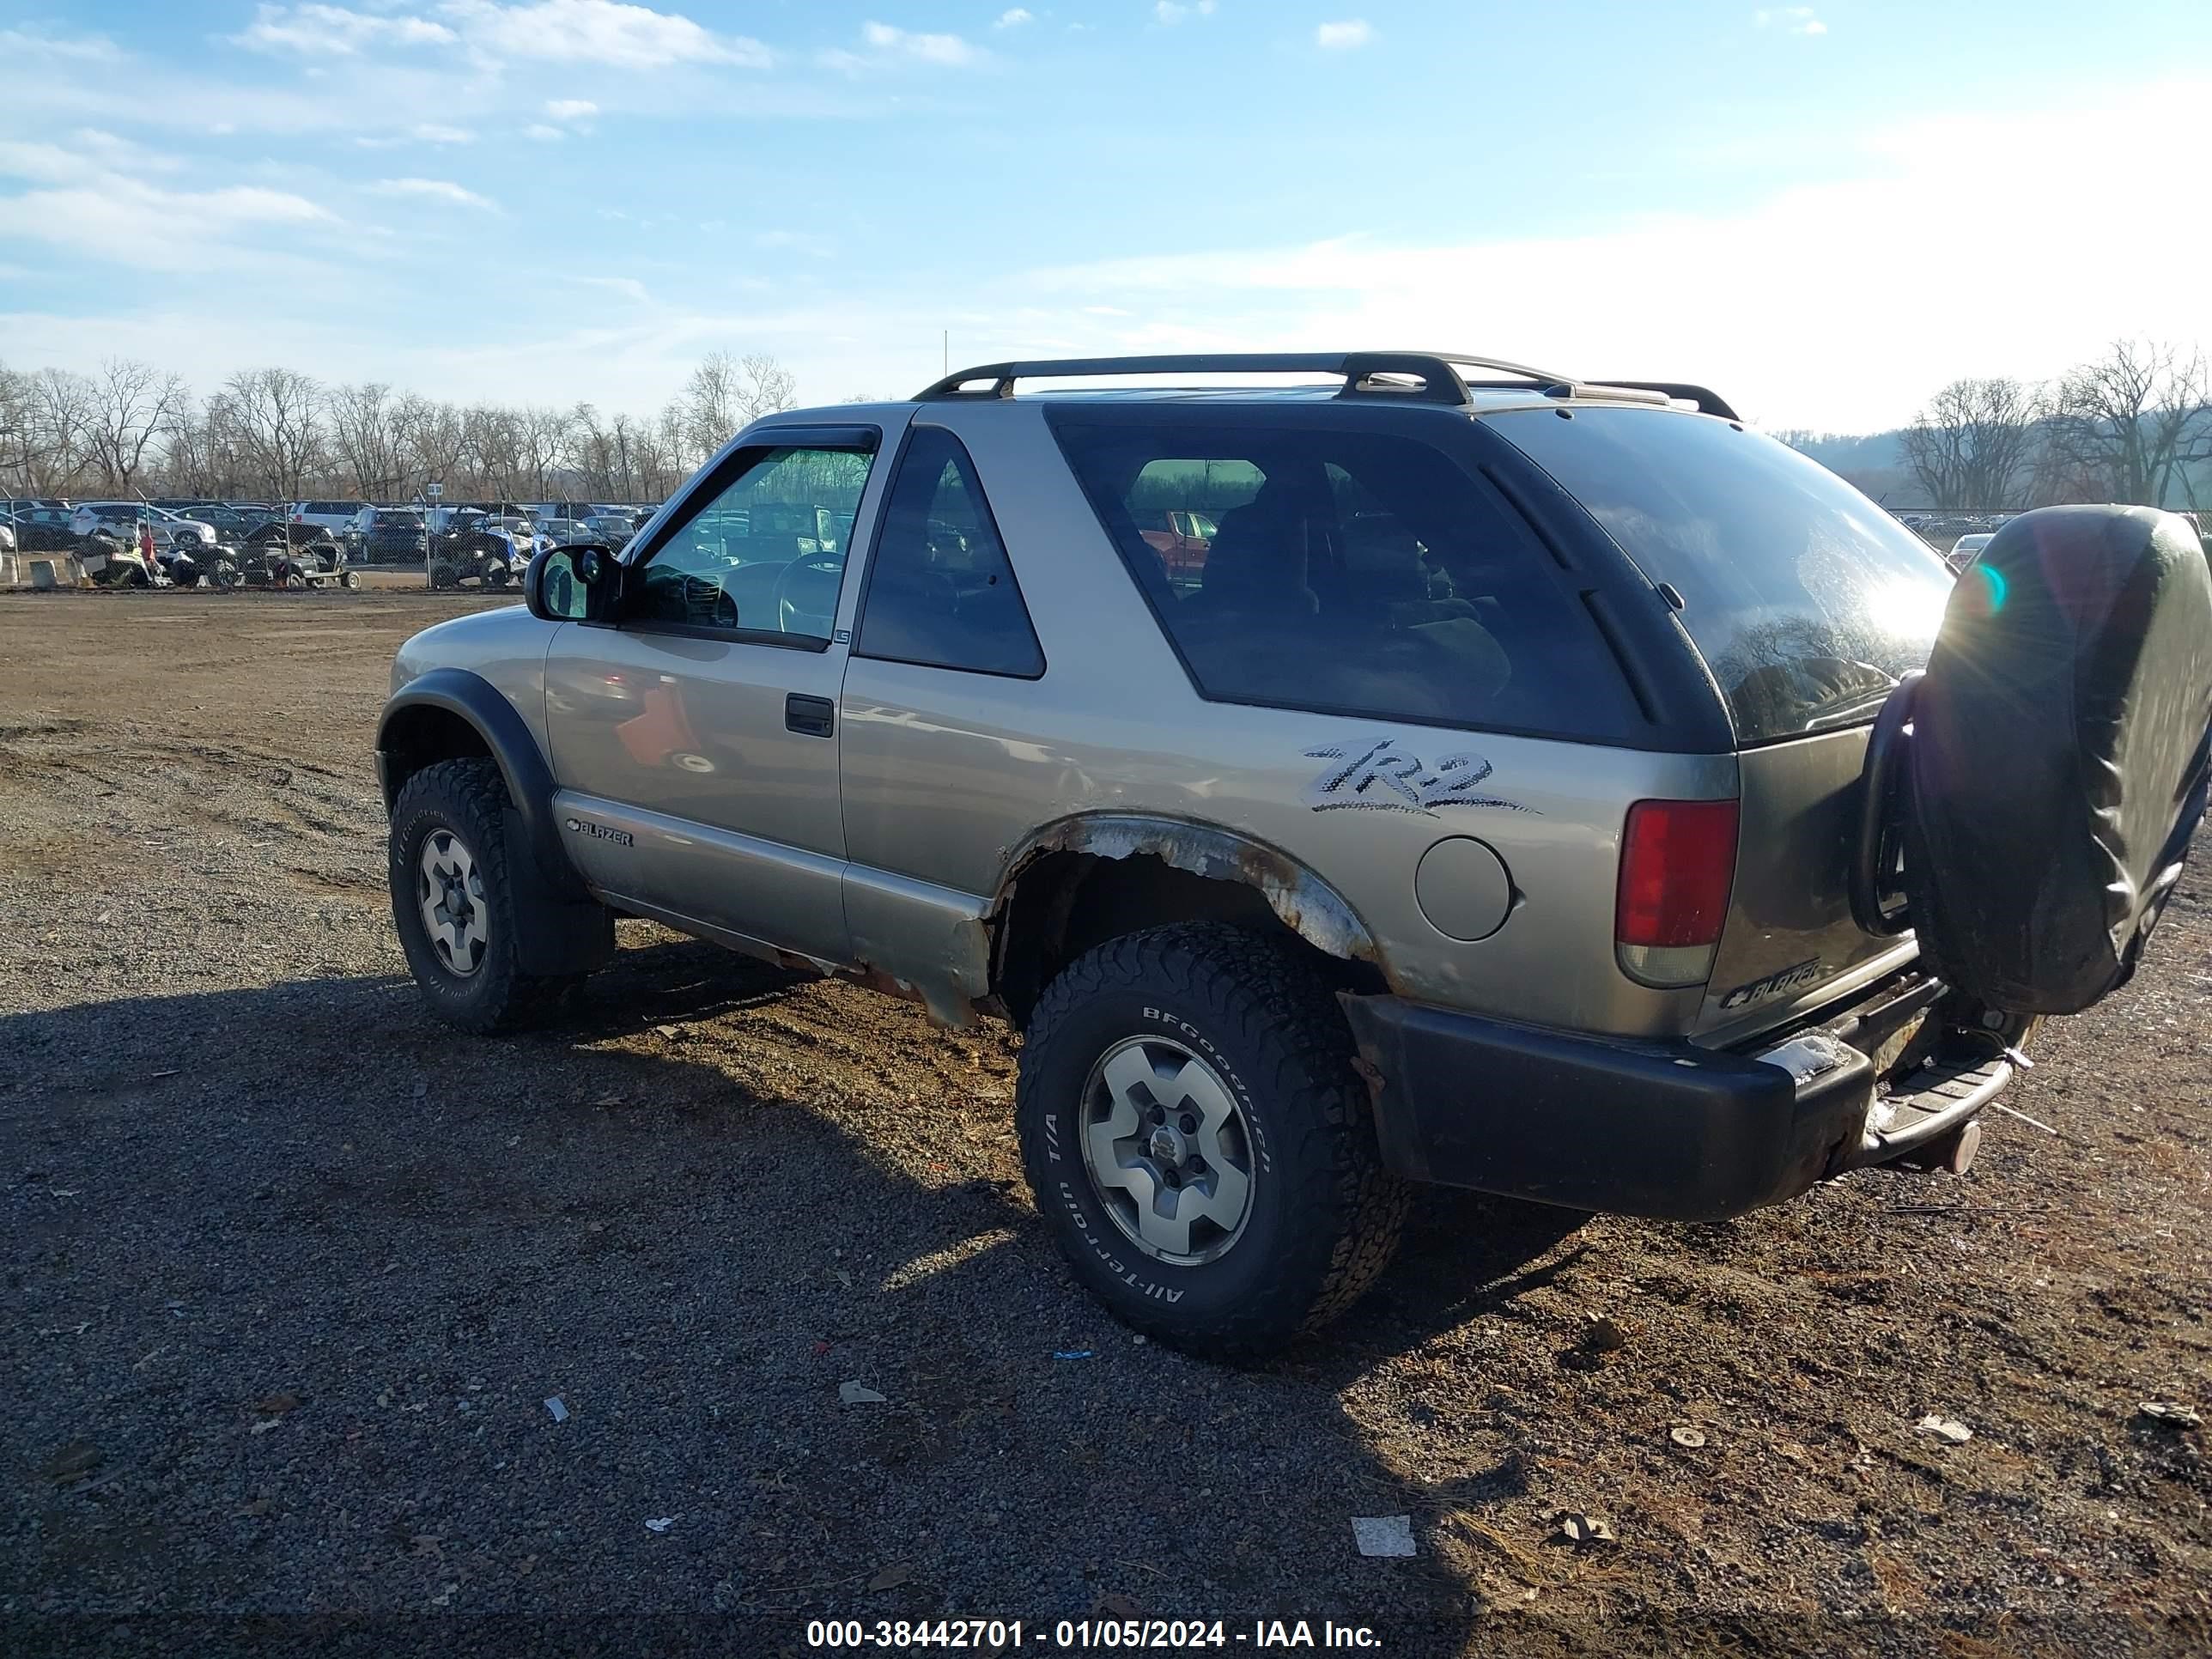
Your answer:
<point x="108" y="149"/>
<point x="1347" y="36"/>
<point x="544" y="134"/>
<point x="434" y="189"/>
<point x="948" y="49"/>
<point x="336" y="32"/>
<point x="1171" y="12"/>
<point x="94" y="199"/>
<point x="1790" y="20"/>
<point x="423" y="132"/>
<point x="629" y="286"/>
<point x="18" y="44"/>
<point x="1015" y="18"/>
<point x="570" y="109"/>
<point x="606" y="33"/>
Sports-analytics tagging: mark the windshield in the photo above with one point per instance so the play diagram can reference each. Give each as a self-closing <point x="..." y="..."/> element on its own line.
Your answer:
<point x="1807" y="600"/>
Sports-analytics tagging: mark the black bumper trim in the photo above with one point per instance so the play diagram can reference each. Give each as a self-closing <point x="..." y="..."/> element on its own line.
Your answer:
<point x="1663" y="1129"/>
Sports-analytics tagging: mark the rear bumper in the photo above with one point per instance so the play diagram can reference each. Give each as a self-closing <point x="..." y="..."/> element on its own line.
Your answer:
<point x="1646" y="1128"/>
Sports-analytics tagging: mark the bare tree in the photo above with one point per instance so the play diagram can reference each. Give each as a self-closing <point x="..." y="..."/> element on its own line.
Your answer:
<point x="2130" y="425"/>
<point x="1968" y="446"/>
<point x="278" y="416"/>
<point x="724" y="394"/>
<point x="366" y="439"/>
<point x="131" y="401"/>
<point x="51" y="449"/>
<point x="436" y="443"/>
<point x="710" y="407"/>
<point x="494" y="437"/>
<point x="543" y="435"/>
<point x="766" y="387"/>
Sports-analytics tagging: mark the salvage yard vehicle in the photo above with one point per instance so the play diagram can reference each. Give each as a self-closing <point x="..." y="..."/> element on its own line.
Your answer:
<point x="1963" y="550"/>
<point x="41" y="529"/>
<point x="485" y="548"/>
<point x="388" y="535"/>
<point x="1542" y="786"/>
<point x="112" y="558"/>
<point x="124" y="518"/>
<point x="333" y="516"/>
<point x="295" y="555"/>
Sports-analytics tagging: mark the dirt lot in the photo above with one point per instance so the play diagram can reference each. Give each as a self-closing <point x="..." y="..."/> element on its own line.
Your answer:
<point x="292" y="1273"/>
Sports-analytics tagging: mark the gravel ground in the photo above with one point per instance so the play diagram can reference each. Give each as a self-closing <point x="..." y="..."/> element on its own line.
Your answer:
<point x="293" y="1274"/>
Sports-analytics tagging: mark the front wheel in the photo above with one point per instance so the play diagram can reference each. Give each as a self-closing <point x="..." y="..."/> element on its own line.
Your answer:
<point x="452" y="903"/>
<point x="1199" y="1143"/>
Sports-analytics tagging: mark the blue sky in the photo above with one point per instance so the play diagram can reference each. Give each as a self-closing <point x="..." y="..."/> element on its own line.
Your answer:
<point x="1823" y="210"/>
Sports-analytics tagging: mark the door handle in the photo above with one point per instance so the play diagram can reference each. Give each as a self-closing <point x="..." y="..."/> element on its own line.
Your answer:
<point x="810" y="717"/>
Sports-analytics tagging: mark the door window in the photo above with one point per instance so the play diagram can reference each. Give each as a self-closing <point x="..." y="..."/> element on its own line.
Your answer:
<point x="764" y="555"/>
<point x="941" y="592"/>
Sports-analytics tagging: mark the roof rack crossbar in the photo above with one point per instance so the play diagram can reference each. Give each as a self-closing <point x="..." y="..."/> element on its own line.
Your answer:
<point x="1439" y="379"/>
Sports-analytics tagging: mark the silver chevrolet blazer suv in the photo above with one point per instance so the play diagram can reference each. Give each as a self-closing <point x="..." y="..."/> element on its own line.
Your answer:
<point x="1346" y="771"/>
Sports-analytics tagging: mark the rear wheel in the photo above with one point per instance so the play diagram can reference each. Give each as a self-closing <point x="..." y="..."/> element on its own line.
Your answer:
<point x="1198" y="1143"/>
<point x="452" y="903"/>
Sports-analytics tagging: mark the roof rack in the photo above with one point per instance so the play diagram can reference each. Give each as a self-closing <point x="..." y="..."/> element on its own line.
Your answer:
<point x="1366" y="373"/>
<point x="1708" y="402"/>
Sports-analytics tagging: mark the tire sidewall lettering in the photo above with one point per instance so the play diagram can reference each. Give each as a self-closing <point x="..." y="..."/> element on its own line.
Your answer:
<point x="1073" y="1194"/>
<point x="1227" y="1071"/>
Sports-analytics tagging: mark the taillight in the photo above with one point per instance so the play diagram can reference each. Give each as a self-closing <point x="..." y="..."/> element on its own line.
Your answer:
<point x="1677" y="863"/>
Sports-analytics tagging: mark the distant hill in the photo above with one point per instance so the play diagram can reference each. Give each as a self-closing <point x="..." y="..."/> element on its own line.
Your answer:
<point x="1875" y="462"/>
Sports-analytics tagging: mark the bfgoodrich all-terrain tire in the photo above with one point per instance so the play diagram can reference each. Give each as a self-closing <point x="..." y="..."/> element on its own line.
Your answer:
<point x="453" y="904"/>
<point x="1199" y="1143"/>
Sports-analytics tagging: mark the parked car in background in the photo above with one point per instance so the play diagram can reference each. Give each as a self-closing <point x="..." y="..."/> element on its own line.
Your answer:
<point x="233" y="524"/>
<point x="615" y="529"/>
<point x="1181" y="539"/>
<point x="1963" y="550"/>
<point x="169" y="528"/>
<point x="333" y="516"/>
<point x="490" y="549"/>
<point x="612" y="529"/>
<point x="39" y="528"/>
<point x="389" y="535"/>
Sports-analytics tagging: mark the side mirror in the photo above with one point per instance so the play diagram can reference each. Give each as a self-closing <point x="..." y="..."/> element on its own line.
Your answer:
<point x="570" y="584"/>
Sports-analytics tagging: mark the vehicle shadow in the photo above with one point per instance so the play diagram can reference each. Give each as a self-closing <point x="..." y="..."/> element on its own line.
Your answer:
<point x="304" y="1277"/>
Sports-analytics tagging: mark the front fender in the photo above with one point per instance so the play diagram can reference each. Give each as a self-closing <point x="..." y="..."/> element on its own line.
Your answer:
<point x="471" y="697"/>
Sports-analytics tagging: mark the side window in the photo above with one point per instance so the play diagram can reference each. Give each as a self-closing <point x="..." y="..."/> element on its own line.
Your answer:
<point x="764" y="555"/>
<point x="1346" y="572"/>
<point x="940" y="592"/>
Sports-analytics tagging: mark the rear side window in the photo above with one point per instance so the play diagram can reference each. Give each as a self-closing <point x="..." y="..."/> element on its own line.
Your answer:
<point x="1807" y="600"/>
<point x="940" y="592"/>
<point x="1347" y="571"/>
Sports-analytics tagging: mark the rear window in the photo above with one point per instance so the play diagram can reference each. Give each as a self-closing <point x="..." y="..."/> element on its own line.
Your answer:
<point x="1807" y="600"/>
<point x="1347" y="571"/>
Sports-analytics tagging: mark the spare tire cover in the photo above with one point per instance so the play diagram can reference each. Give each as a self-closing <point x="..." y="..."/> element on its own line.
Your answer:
<point x="2059" y="753"/>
